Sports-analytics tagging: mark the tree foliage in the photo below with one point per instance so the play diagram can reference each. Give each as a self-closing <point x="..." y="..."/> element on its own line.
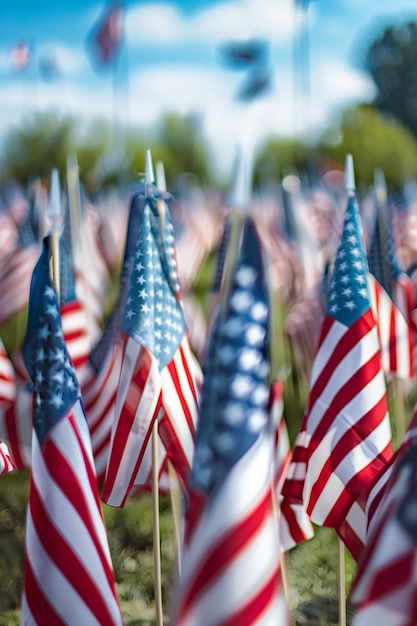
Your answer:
<point x="391" y="61"/>
<point x="376" y="142"/>
<point x="44" y="141"/>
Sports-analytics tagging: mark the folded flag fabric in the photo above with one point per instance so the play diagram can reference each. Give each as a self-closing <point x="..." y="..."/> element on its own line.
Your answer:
<point x="68" y="573"/>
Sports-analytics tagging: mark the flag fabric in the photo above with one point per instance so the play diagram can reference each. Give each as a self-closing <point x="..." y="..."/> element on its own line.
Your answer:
<point x="393" y="299"/>
<point x="282" y="443"/>
<point x="394" y="333"/>
<point x="107" y="36"/>
<point x="6" y="461"/>
<point x="7" y="399"/>
<point x="294" y="524"/>
<point x="230" y="564"/>
<point x="68" y="574"/>
<point x="347" y="429"/>
<point x="158" y="376"/>
<point x="99" y="391"/>
<point x="15" y="408"/>
<point x="20" y="56"/>
<point x="385" y="585"/>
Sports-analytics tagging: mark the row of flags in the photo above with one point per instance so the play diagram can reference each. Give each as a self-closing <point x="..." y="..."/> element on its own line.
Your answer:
<point x="103" y="43"/>
<point x="89" y="422"/>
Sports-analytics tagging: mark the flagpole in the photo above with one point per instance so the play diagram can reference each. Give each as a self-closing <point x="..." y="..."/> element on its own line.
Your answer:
<point x="239" y="203"/>
<point x="342" y="584"/>
<point x="149" y="179"/>
<point x="55" y="216"/>
<point x="350" y="187"/>
<point x="174" y="488"/>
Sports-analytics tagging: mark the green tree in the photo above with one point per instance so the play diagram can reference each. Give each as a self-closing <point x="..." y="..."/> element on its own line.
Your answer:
<point x="39" y="145"/>
<point x="391" y="60"/>
<point x="376" y="142"/>
<point x="277" y="156"/>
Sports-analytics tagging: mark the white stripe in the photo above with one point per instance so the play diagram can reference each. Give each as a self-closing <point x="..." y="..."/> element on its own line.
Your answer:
<point x="241" y="579"/>
<point x="58" y="591"/>
<point x="360" y="354"/>
<point x="358" y="458"/>
<point x="62" y="512"/>
<point x="235" y="496"/>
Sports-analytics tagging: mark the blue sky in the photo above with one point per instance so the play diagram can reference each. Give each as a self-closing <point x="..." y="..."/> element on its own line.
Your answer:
<point x="170" y="63"/>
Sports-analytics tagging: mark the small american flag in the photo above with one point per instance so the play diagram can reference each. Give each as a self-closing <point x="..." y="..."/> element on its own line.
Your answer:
<point x="347" y="428"/>
<point x="158" y="376"/>
<point x="385" y="587"/>
<point x="20" y="56"/>
<point x="109" y="34"/>
<point x="231" y="566"/>
<point x="68" y="574"/>
<point x="397" y="328"/>
<point x="99" y="391"/>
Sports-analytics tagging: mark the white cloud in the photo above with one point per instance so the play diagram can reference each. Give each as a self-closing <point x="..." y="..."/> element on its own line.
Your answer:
<point x="163" y="23"/>
<point x="69" y="60"/>
<point x="205" y="92"/>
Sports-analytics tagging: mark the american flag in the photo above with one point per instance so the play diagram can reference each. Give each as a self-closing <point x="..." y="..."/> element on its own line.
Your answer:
<point x="397" y="328"/>
<point x="7" y="398"/>
<point x="385" y="585"/>
<point x="6" y="461"/>
<point x="294" y="523"/>
<point x="99" y="391"/>
<point x="158" y="376"/>
<point x="20" y="56"/>
<point x="231" y="566"/>
<point x="347" y="428"/>
<point x="109" y="34"/>
<point x="282" y="441"/>
<point x="68" y="574"/>
<point x="15" y="408"/>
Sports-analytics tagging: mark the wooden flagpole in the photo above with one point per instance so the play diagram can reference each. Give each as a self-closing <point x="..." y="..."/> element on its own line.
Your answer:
<point x="149" y="179"/>
<point x="55" y="219"/>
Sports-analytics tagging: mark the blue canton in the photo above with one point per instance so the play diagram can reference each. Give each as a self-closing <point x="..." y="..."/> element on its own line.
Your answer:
<point x="234" y="408"/>
<point x="55" y="385"/>
<point x="152" y="314"/>
<point x="348" y="296"/>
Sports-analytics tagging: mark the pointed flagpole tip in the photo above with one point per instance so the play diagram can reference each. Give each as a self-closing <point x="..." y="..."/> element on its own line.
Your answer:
<point x="240" y="193"/>
<point x="380" y="187"/>
<point x="54" y="207"/>
<point x="149" y="175"/>
<point x="349" y="174"/>
<point x="160" y="176"/>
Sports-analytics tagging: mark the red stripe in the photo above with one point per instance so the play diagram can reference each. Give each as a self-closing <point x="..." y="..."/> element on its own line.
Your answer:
<point x="65" y="559"/>
<point x="125" y="425"/>
<point x="349" y="339"/>
<point x="351" y="540"/>
<point x="174" y="450"/>
<point x="296" y="531"/>
<point x="252" y="611"/>
<point x="66" y="479"/>
<point x="10" y="419"/>
<point x="351" y="388"/>
<point x="221" y="554"/>
<point x="37" y="602"/>
<point x="172" y="369"/>
<point x="391" y="577"/>
<point x="352" y="438"/>
<point x="187" y="368"/>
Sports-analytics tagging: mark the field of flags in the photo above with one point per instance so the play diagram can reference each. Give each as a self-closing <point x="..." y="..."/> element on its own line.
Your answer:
<point x="118" y="376"/>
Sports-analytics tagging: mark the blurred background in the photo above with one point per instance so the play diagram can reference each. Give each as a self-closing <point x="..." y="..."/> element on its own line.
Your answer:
<point x="193" y="79"/>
